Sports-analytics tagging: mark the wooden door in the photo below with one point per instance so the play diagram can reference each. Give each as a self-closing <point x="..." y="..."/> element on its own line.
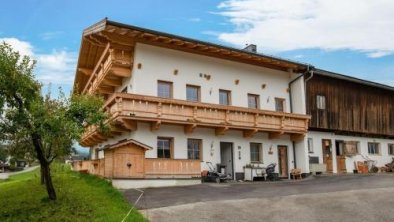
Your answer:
<point x="128" y="162"/>
<point x="341" y="158"/>
<point x="129" y="165"/>
<point x="283" y="160"/>
<point x="327" y="154"/>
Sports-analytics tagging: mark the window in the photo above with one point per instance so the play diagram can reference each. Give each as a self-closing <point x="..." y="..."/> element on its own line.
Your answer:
<point x="391" y="149"/>
<point x="373" y="148"/>
<point x="164" y="147"/>
<point x="164" y="89"/>
<point x="194" y="149"/>
<point x="310" y="145"/>
<point x="192" y="93"/>
<point x="321" y="102"/>
<point x="224" y="97"/>
<point x="253" y="101"/>
<point x="256" y="152"/>
<point x="279" y="104"/>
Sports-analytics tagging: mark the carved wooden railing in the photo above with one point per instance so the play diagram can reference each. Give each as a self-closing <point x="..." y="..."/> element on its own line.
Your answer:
<point x="124" y="108"/>
<point x="171" y="167"/>
<point x="113" y="65"/>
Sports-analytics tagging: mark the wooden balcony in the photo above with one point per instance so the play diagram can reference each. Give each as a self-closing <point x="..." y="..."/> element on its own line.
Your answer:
<point x="127" y="109"/>
<point x="113" y="65"/>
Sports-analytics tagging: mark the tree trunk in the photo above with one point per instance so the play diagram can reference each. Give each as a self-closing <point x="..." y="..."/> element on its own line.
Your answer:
<point x="42" y="175"/>
<point x="45" y="170"/>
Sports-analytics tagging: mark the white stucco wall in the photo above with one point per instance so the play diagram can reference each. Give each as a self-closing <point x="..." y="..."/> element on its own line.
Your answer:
<point x="159" y="64"/>
<point x="210" y="144"/>
<point x="381" y="158"/>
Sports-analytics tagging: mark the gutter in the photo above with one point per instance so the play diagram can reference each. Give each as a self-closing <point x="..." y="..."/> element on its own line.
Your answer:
<point x="310" y="70"/>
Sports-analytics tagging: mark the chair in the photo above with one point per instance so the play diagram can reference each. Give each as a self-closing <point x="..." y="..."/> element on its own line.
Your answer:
<point x="294" y="173"/>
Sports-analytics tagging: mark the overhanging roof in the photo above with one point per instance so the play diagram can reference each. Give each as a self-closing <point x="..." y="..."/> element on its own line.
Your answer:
<point x="352" y="79"/>
<point x="96" y="37"/>
<point x="127" y="142"/>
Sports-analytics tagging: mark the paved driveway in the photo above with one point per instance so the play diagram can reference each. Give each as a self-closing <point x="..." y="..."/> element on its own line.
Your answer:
<point x="333" y="198"/>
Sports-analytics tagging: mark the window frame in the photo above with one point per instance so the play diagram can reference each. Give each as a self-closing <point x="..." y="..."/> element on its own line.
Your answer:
<point x="199" y="148"/>
<point x="321" y="102"/>
<point x="378" y="148"/>
<point x="198" y="92"/>
<point x="260" y="153"/>
<point x="228" y="92"/>
<point x="171" y="148"/>
<point x="171" y="88"/>
<point x="282" y="100"/>
<point x="256" y="98"/>
<point x="310" y="145"/>
<point x="390" y="146"/>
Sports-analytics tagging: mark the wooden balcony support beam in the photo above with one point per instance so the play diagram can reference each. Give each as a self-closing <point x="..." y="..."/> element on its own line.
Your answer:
<point x="120" y="72"/>
<point x="297" y="137"/>
<point x="275" y="135"/>
<point x="250" y="133"/>
<point x="112" y="82"/>
<point x="129" y="124"/>
<point x="189" y="128"/>
<point x="155" y="125"/>
<point x="221" y="130"/>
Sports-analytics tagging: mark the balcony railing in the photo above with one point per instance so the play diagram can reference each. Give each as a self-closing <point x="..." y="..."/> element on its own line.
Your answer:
<point x="113" y="65"/>
<point x="153" y="168"/>
<point x="172" y="168"/>
<point x="126" y="109"/>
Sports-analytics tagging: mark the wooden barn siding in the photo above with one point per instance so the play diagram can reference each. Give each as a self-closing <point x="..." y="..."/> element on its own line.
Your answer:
<point x="350" y="107"/>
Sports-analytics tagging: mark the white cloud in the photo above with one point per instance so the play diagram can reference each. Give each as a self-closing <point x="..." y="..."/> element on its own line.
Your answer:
<point x="51" y="35"/>
<point x="57" y="67"/>
<point x="24" y="48"/>
<point x="361" y="25"/>
<point x="195" y="19"/>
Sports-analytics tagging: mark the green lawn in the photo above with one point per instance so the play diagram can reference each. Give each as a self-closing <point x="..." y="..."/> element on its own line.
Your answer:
<point x="80" y="198"/>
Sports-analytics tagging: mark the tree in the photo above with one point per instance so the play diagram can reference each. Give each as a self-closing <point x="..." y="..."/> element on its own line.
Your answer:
<point x="40" y="124"/>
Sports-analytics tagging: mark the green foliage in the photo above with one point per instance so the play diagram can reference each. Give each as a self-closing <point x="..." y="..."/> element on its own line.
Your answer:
<point x="24" y="113"/>
<point x="3" y="153"/>
<point x="80" y="198"/>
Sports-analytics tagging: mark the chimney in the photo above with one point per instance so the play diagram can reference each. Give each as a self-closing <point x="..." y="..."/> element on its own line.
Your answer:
<point x="251" y="48"/>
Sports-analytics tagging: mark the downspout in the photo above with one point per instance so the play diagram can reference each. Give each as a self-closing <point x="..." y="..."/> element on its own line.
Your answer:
<point x="308" y="70"/>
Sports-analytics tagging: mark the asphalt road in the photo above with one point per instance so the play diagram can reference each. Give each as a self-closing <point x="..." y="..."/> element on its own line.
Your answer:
<point x="333" y="198"/>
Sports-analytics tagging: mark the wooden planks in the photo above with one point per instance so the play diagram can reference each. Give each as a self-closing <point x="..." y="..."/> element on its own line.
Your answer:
<point x="351" y="108"/>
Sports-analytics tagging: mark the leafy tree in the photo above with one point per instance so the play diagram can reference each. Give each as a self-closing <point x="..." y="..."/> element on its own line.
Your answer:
<point x="3" y="153"/>
<point x="39" y="124"/>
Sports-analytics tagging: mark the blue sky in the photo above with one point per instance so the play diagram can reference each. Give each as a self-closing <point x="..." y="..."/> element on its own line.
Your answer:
<point x="356" y="42"/>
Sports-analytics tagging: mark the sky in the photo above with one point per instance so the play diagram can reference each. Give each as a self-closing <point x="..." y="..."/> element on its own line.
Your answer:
<point x="352" y="37"/>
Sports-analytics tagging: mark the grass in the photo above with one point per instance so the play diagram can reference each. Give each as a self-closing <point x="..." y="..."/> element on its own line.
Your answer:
<point x="80" y="198"/>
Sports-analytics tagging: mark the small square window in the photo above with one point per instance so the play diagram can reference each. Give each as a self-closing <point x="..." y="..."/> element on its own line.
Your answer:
<point x="192" y="93"/>
<point x="224" y="97"/>
<point x="164" y="89"/>
<point x="279" y="104"/>
<point x="253" y="101"/>
<point x="391" y="149"/>
<point x="321" y="102"/>
<point x="256" y="152"/>
<point x="194" y="149"/>
<point x="310" y="145"/>
<point x="164" y="147"/>
<point x="373" y="148"/>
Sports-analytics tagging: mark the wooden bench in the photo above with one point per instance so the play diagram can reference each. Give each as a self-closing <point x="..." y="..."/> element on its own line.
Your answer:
<point x="294" y="173"/>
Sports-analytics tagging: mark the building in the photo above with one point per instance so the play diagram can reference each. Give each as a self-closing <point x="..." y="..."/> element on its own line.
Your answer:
<point x="351" y="120"/>
<point x="177" y="103"/>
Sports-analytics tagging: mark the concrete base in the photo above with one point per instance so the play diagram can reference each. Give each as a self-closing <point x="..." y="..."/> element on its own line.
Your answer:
<point x="145" y="183"/>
